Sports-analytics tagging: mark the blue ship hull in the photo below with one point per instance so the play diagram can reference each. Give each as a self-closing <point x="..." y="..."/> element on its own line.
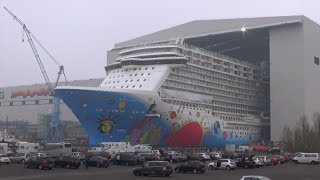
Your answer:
<point x="121" y="117"/>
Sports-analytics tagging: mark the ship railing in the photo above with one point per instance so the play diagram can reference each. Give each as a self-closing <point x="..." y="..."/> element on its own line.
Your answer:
<point x="194" y="48"/>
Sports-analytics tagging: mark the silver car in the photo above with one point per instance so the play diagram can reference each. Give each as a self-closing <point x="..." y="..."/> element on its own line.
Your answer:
<point x="227" y="164"/>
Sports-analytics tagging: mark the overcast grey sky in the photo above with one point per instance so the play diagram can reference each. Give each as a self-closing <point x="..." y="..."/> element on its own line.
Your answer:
<point x="79" y="32"/>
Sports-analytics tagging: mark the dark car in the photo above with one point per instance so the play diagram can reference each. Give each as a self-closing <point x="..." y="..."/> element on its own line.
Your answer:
<point x="149" y="157"/>
<point x="97" y="161"/>
<point x="280" y="159"/>
<point x="39" y="162"/>
<point x="67" y="162"/>
<point x="191" y="166"/>
<point x="159" y="168"/>
<point x="127" y="159"/>
<point x="245" y="163"/>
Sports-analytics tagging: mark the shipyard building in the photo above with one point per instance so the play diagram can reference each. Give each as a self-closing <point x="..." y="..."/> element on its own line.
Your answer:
<point x="269" y="66"/>
<point x="25" y="111"/>
<point x="263" y="68"/>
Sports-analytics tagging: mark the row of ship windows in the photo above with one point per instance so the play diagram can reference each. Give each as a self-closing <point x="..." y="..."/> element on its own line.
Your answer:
<point x="240" y="128"/>
<point x="112" y="77"/>
<point x="209" y="61"/>
<point x="209" y="106"/>
<point x="210" y="84"/>
<point x="219" y="74"/>
<point x="173" y="83"/>
<point x="127" y="86"/>
<point x="225" y="70"/>
<point x="133" y="69"/>
<point x="213" y="77"/>
<point x="215" y="97"/>
<point x="244" y="107"/>
<point x="188" y="73"/>
<point x="116" y="82"/>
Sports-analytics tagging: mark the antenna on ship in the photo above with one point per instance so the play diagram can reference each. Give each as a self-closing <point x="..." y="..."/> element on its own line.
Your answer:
<point x="54" y="133"/>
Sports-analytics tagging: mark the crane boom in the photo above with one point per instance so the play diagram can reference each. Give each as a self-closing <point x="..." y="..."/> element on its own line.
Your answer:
<point x="54" y="133"/>
<point x="35" y="52"/>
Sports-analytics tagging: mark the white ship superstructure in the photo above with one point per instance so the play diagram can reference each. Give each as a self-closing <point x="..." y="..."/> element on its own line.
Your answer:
<point x="195" y="84"/>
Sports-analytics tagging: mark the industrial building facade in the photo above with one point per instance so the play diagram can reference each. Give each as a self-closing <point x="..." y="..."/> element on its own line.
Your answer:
<point x="287" y="50"/>
<point x="25" y="111"/>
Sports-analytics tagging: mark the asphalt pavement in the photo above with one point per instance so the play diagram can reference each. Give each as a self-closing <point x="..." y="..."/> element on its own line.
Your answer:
<point x="287" y="171"/>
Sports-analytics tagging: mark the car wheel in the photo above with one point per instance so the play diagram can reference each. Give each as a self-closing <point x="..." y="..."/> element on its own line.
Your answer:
<point x="228" y="168"/>
<point x="98" y="165"/>
<point x="127" y="164"/>
<point x="26" y="165"/>
<point x="211" y="167"/>
<point x="49" y="168"/>
<point x="40" y="167"/>
<point x="137" y="173"/>
<point x="195" y="171"/>
<point x="68" y="166"/>
<point x="246" y="166"/>
<point x="296" y="162"/>
<point x="106" y="165"/>
<point x="313" y="162"/>
<point x="23" y="161"/>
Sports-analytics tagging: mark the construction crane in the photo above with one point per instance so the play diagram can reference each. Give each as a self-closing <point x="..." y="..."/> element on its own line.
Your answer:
<point x="54" y="132"/>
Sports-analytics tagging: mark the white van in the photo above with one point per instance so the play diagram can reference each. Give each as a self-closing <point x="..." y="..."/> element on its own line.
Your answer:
<point x="312" y="158"/>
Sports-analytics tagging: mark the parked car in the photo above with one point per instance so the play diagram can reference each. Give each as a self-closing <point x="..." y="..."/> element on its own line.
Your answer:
<point x="253" y="177"/>
<point x="97" y="161"/>
<point x="4" y="159"/>
<point x="191" y="166"/>
<point x="171" y="158"/>
<point x="258" y="161"/>
<point x="274" y="160"/>
<point x="265" y="159"/>
<point x="78" y="155"/>
<point x="39" y="162"/>
<point x="245" y="163"/>
<point x="67" y="162"/>
<point x="215" y="155"/>
<point x="20" y="158"/>
<point x="280" y="159"/>
<point x="127" y="159"/>
<point x="159" y="168"/>
<point x="204" y="155"/>
<point x="312" y="158"/>
<point x="149" y="157"/>
<point x="227" y="164"/>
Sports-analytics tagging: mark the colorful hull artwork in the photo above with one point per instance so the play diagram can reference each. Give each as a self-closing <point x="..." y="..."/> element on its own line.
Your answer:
<point x="121" y="117"/>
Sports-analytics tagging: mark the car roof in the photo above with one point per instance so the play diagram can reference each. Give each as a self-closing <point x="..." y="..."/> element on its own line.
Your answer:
<point x="255" y="176"/>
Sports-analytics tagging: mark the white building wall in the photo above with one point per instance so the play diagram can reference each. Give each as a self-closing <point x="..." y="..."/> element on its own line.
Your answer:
<point x="311" y="70"/>
<point x="29" y="94"/>
<point x="287" y="89"/>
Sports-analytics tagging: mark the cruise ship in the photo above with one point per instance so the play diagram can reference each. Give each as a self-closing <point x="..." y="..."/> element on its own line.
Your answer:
<point x="172" y="94"/>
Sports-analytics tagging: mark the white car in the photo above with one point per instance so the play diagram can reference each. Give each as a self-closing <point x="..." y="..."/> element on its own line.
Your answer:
<point x="4" y="159"/>
<point x="312" y="158"/>
<point x="216" y="155"/>
<point x="258" y="161"/>
<point x="204" y="155"/>
<point x="227" y="164"/>
<point x="253" y="177"/>
<point x="78" y="155"/>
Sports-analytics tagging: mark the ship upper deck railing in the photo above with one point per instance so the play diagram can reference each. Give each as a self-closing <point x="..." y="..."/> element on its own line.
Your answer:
<point x="189" y="47"/>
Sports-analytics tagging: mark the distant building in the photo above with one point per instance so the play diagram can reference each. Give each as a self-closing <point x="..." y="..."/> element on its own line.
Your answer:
<point x="25" y="111"/>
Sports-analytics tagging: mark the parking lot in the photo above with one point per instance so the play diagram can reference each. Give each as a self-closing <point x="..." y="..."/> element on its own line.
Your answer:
<point x="288" y="171"/>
